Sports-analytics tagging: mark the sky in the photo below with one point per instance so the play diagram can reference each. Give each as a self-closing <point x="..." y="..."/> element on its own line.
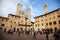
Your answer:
<point x="10" y="6"/>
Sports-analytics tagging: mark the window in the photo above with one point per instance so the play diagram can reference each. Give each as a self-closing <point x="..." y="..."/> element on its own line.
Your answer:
<point x="36" y="21"/>
<point x="6" y="20"/>
<point x="47" y="24"/>
<point x="49" y="18"/>
<point x="54" y="17"/>
<point x="42" y="20"/>
<point x="11" y="26"/>
<point x="50" y="23"/>
<point x="19" y="16"/>
<point x="59" y="21"/>
<point x="11" y="21"/>
<point x="35" y="25"/>
<point x="42" y="24"/>
<point x="58" y="15"/>
<point x="2" y="25"/>
<point x="54" y="22"/>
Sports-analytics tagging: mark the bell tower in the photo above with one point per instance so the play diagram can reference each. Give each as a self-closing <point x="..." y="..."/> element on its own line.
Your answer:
<point x="28" y="13"/>
<point x="19" y="9"/>
<point x="45" y="8"/>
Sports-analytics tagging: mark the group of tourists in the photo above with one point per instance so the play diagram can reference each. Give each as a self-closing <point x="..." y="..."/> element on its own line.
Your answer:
<point x="56" y="33"/>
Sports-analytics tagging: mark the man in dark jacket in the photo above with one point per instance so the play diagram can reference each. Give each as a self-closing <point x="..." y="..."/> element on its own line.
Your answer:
<point x="47" y="34"/>
<point x="34" y="35"/>
<point x="56" y="34"/>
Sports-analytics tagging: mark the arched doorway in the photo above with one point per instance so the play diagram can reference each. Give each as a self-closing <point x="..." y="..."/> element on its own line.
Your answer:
<point x="4" y="29"/>
<point x="17" y="29"/>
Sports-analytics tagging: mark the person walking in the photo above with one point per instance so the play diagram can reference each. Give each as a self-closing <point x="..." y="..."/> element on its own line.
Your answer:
<point x="34" y="35"/>
<point x="47" y="34"/>
<point x="59" y="33"/>
<point x="56" y="34"/>
<point x="19" y="33"/>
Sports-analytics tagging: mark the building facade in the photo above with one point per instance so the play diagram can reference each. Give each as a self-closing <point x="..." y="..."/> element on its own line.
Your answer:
<point x="19" y="21"/>
<point x="47" y="20"/>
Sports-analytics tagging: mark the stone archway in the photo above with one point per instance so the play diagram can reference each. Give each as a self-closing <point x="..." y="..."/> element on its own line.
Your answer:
<point x="5" y="29"/>
<point x="17" y="29"/>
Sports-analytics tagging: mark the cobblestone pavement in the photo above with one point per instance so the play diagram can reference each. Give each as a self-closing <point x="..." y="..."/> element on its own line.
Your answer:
<point x="25" y="37"/>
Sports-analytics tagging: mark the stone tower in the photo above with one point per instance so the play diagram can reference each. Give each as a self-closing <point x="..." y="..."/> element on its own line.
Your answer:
<point x="45" y="8"/>
<point x="19" y="9"/>
<point x="28" y="13"/>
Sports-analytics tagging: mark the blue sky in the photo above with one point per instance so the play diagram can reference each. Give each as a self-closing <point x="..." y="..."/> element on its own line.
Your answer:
<point x="10" y="6"/>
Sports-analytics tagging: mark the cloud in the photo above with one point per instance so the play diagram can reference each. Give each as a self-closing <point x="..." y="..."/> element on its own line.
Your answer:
<point x="7" y="6"/>
<point x="34" y="11"/>
<point x="10" y="6"/>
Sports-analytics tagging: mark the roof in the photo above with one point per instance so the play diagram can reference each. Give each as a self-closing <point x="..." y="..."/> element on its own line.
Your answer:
<point x="48" y="13"/>
<point x="14" y="15"/>
<point x="20" y="4"/>
<point x="3" y="17"/>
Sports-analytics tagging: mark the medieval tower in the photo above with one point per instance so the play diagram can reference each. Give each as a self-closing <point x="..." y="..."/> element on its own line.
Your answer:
<point x="28" y="13"/>
<point x="19" y="21"/>
<point x="19" y="9"/>
<point x="45" y="8"/>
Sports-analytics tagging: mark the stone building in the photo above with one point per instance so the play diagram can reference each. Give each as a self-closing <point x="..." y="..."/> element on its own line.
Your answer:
<point x="19" y="21"/>
<point x="47" y="20"/>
